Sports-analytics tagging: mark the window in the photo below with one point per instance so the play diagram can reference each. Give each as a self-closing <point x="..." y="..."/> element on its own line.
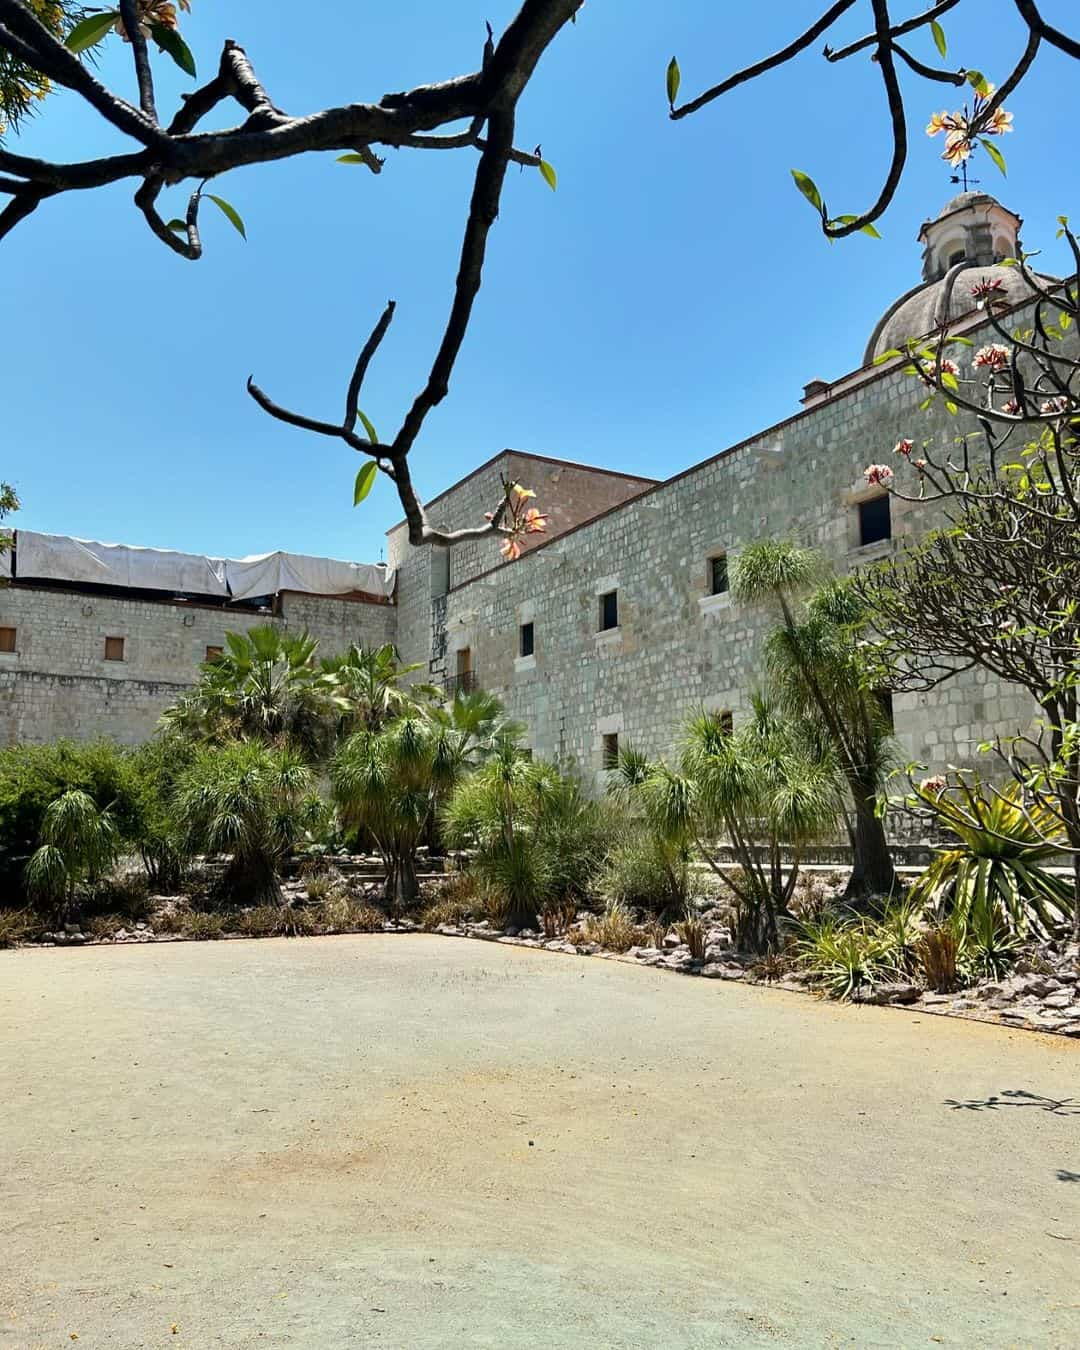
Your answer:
<point x="526" y="640"/>
<point x="727" y="721"/>
<point x="440" y="571"/>
<point x="609" y="611"/>
<point x="611" y="750"/>
<point x="957" y="256"/>
<point x="114" y="649"/>
<point x="875" y="520"/>
<point x="718" y="577"/>
<point x="213" y="654"/>
<point x="7" y="639"/>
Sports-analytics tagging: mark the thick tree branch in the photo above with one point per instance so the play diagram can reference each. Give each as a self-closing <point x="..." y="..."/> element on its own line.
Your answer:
<point x="141" y="57"/>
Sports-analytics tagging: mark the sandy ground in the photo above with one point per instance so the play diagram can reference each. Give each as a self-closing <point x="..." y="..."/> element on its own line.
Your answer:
<point x="421" y="1142"/>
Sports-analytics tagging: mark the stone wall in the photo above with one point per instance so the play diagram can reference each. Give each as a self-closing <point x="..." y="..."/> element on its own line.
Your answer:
<point x="677" y="648"/>
<point x="58" y="682"/>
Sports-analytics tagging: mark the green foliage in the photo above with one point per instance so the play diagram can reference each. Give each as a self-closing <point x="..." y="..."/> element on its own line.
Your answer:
<point x="615" y="929"/>
<point x="771" y="568"/>
<point x="641" y="872"/>
<point x="844" y="956"/>
<point x="79" y="842"/>
<point x="283" y="920"/>
<point x="203" y="926"/>
<point x="673" y="80"/>
<point x="997" y="876"/>
<point x="692" y="930"/>
<point x="248" y="801"/>
<point x="365" y="480"/>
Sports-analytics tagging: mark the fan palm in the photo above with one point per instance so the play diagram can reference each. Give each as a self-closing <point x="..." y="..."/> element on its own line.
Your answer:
<point x="264" y="685"/>
<point x="250" y="801"/>
<point x="818" y="675"/>
<point x="368" y="683"/>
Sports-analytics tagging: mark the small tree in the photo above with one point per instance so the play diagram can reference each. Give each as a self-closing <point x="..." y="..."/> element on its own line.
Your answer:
<point x="249" y="801"/>
<point x="819" y="676"/>
<point x="79" y="843"/>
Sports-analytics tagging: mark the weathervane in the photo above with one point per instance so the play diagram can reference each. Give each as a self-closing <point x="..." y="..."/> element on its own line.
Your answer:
<point x="962" y="176"/>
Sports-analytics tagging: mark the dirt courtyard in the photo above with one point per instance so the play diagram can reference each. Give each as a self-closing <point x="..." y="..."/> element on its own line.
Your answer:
<point x="421" y="1142"/>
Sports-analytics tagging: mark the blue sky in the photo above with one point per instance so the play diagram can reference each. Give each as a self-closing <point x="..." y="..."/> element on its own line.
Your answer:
<point x="672" y="297"/>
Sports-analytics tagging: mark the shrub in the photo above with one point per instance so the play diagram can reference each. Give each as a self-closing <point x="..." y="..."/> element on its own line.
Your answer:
<point x="79" y="841"/>
<point x="446" y="912"/>
<point x="643" y="872"/>
<point x="103" y="926"/>
<point x="322" y="884"/>
<point x="365" y="918"/>
<point x="16" y="925"/>
<point x="201" y="926"/>
<point x="557" y="917"/>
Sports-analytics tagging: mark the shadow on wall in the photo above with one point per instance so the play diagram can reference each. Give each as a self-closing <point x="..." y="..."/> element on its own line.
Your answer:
<point x="1070" y="1106"/>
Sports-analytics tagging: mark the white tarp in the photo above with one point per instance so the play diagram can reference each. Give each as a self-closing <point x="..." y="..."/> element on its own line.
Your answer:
<point x="268" y="573"/>
<point x="5" y="554"/>
<point x="57" y="557"/>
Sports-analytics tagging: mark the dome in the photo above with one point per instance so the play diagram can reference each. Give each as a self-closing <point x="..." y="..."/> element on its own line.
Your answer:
<point x="963" y="245"/>
<point x="923" y="310"/>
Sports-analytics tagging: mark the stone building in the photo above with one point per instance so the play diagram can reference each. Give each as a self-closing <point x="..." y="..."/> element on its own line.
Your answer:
<point x="615" y="625"/>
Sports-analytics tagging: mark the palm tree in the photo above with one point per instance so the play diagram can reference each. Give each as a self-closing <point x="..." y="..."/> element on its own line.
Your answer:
<point x="817" y="674"/>
<point x="386" y="782"/>
<point x="248" y="800"/>
<point x="368" y="682"/>
<point x="79" y="842"/>
<point x="264" y="685"/>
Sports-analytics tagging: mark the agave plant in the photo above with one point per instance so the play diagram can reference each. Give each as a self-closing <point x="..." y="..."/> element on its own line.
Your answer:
<point x="999" y="866"/>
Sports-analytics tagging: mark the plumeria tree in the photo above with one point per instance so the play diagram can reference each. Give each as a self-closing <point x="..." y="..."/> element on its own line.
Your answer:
<point x="999" y="587"/>
<point x="49" y="44"/>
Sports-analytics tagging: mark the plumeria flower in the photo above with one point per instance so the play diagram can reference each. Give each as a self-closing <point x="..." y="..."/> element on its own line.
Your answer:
<point x="535" y="522"/>
<point x="510" y="549"/>
<point x="946" y="366"/>
<point x="878" y="473"/>
<point x="993" y="356"/>
<point x="1012" y="407"/>
<point x="934" y="785"/>
<point x="1000" y="122"/>
<point x="151" y="12"/>
<point x="957" y="148"/>
<point x="1058" y="404"/>
<point x="939" y="122"/>
<point x="987" y="286"/>
<point x="903" y="447"/>
<point x="522" y="493"/>
<point x="920" y="464"/>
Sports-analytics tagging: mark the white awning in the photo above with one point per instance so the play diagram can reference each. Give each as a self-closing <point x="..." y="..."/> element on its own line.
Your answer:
<point x="268" y="573"/>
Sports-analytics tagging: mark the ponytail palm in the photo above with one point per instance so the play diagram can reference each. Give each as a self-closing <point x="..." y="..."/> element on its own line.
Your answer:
<point x="79" y="842"/>
<point x="817" y="674"/>
<point x="249" y="801"/>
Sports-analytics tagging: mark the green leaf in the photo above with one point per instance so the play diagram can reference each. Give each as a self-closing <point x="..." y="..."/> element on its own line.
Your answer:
<point x="994" y="153"/>
<point x="372" y="434"/>
<point x="939" y="37"/>
<point x="169" y="40"/>
<point x="180" y="226"/>
<point x="365" y="480"/>
<point x="951" y="408"/>
<point x="351" y="159"/>
<point x="866" y="229"/>
<point x="978" y="82"/>
<point x="229" y="212"/>
<point x="890" y="355"/>
<point x="808" y="188"/>
<point x="674" y="79"/>
<point x="90" y="31"/>
<point x="548" y="174"/>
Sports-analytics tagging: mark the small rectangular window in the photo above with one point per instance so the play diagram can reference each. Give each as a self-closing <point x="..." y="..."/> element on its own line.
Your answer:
<point x="727" y="722"/>
<point x="609" y="611"/>
<point x="213" y="653"/>
<point x="611" y="750"/>
<point x="7" y="639"/>
<point x="526" y="640"/>
<point x="114" y="649"/>
<point x="875" y="520"/>
<point x="718" y="576"/>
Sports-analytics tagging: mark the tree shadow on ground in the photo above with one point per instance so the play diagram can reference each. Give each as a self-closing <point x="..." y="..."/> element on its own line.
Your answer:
<point x="1068" y="1106"/>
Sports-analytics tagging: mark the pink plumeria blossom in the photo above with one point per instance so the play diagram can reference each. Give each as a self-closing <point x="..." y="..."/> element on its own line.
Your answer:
<point x="946" y="366"/>
<point x="1058" y="404"/>
<point x="920" y="464"/>
<point x="903" y="447"/>
<point x="510" y="549"/>
<point x="1012" y="407"/>
<point x="993" y="356"/>
<point x="933" y="786"/>
<point x="878" y="473"/>
<point x="535" y="521"/>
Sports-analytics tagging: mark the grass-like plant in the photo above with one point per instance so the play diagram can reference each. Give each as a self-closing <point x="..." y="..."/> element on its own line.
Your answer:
<point x="844" y="956"/>
<point x="79" y="842"/>
<point x="693" y="930"/>
<point x="203" y="926"/>
<point x="614" y="929"/>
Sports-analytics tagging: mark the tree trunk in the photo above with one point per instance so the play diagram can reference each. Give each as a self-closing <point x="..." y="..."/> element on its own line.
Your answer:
<point x="401" y="888"/>
<point x="873" y="872"/>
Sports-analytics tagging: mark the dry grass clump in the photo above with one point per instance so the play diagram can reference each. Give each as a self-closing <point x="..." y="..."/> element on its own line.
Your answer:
<point x="103" y="926"/>
<point x="772" y="966"/>
<point x="693" y="931"/>
<point x="446" y="911"/>
<point x="16" y="925"/>
<point x="615" y="929"/>
<point x="279" y="921"/>
<point x="937" y="951"/>
<point x="201" y="926"/>
<point x="341" y="912"/>
<point x="558" y="917"/>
